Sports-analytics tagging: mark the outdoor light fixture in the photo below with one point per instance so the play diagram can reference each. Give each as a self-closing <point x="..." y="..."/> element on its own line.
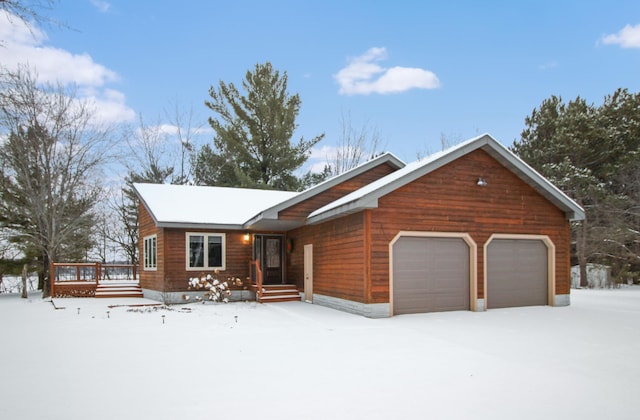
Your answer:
<point x="246" y="237"/>
<point x="482" y="182"/>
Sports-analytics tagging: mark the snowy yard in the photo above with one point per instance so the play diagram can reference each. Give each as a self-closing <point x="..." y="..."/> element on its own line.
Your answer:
<point x="301" y="361"/>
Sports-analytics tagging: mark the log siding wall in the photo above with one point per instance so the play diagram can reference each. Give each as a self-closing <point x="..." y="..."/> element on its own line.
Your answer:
<point x="338" y="257"/>
<point x="351" y="254"/>
<point x="302" y="210"/>
<point x="449" y="200"/>
<point x="171" y="274"/>
<point x="150" y="279"/>
<point x="238" y="252"/>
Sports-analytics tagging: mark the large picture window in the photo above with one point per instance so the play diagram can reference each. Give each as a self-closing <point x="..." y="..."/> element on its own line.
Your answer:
<point x="205" y="251"/>
<point x="150" y="251"/>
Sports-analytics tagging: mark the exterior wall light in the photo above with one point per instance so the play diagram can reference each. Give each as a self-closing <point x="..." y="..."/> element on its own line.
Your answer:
<point x="482" y="182"/>
<point x="246" y="237"/>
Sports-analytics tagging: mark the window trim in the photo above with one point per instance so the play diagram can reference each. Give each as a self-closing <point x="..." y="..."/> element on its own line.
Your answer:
<point x="206" y="266"/>
<point x="149" y="254"/>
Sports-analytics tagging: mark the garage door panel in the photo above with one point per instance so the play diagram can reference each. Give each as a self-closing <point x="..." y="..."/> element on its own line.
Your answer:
<point x="517" y="273"/>
<point x="430" y="275"/>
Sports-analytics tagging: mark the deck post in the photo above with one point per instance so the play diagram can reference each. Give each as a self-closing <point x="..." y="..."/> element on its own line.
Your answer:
<point x="98" y="273"/>
<point x="52" y="278"/>
<point x="259" y="280"/>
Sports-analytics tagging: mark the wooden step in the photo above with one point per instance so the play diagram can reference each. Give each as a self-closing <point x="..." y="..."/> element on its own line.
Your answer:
<point x="279" y="293"/>
<point x="119" y="290"/>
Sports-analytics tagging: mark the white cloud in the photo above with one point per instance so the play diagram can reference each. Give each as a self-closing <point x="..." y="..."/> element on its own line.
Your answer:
<point x="24" y="45"/>
<point x="548" y="65"/>
<point x="319" y="158"/>
<point x="102" y="6"/>
<point x="363" y="76"/>
<point x="326" y="153"/>
<point x="111" y="107"/>
<point x="627" y="37"/>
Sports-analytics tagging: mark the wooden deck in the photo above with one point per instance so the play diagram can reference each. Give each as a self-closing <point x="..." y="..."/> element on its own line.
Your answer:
<point x="94" y="280"/>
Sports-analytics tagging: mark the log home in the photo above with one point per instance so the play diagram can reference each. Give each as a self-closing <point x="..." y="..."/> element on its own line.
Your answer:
<point x="469" y="228"/>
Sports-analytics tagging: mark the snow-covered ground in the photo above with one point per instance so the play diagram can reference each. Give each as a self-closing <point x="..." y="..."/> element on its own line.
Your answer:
<point x="301" y="361"/>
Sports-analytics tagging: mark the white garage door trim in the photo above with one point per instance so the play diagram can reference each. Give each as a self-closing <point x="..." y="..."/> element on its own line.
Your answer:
<point x="551" y="262"/>
<point x="473" y="264"/>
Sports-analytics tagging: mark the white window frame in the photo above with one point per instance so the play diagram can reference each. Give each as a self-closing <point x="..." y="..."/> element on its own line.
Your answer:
<point x="206" y="236"/>
<point x="150" y="253"/>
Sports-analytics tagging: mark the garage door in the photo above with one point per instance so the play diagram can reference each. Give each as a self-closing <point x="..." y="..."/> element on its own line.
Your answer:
<point x="516" y="273"/>
<point x="430" y="275"/>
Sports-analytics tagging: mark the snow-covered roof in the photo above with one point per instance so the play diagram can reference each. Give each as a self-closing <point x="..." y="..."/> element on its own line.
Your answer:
<point x="194" y="206"/>
<point x="367" y="197"/>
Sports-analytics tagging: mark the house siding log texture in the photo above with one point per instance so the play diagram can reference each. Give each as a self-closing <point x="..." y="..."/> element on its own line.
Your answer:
<point x="150" y="279"/>
<point x="301" y="210"/>
<point x="446" y="200"/>
<point x="176" y="276"/>
<point x="172" y="274"/>
<point x="338" y="257"/>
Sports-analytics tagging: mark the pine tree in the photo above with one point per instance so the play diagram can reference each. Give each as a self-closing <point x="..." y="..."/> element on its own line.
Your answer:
<point x="591" y="153"/>
<point x="253" y="131"/>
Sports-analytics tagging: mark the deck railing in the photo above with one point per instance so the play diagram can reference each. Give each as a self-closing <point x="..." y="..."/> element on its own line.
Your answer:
<point x="87" y="273"/>
<point x="256" y="277"/>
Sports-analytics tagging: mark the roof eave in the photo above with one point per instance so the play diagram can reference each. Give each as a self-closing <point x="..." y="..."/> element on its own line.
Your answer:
<point x="199" y="226"/>
<point x="345" y="209"/>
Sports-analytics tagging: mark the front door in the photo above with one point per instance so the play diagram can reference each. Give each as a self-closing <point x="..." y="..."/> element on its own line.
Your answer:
<point x="269" y="251"/>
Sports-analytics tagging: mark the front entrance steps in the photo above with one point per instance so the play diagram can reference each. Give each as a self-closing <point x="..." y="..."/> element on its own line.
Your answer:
<point x="279" y="293"/>
<point x="118" y="290"/>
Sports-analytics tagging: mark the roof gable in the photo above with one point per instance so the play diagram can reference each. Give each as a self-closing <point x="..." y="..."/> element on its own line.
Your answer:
<point x="367" y="197"/>
<point x="272" y="218"/>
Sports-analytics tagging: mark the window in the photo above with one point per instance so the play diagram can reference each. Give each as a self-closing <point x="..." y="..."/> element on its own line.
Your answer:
<point x="205" y="251"/>
<point x="150" y="252"/>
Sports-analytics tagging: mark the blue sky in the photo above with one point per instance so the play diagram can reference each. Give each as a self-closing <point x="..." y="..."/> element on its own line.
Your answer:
<point x="412" y="71"/>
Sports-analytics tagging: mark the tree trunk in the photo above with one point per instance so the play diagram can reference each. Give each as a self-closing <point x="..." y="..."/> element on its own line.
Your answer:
<point x="581" y="251"/>
<point x="25" y="272"/>
<point x="45" y="276"/>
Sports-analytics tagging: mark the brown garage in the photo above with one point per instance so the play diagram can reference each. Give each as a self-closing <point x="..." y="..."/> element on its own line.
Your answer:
<point x="430" y="274"/>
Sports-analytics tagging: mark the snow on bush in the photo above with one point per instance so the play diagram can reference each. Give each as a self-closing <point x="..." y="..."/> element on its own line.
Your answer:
<point x="212" y="288"/>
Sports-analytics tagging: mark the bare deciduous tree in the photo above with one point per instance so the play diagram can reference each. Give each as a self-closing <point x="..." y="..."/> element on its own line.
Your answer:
<point x="355" y="146"/>
<point x="51" y="155"/>
<point x="28" y="13"/>
<point x="187" y="126"/>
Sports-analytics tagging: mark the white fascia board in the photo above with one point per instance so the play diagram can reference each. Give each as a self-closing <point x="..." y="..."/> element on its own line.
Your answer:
<point x="206" y="226"/>
<point x="345" y="209"/>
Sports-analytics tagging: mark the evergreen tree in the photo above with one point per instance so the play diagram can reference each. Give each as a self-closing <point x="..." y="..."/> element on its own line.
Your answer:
<point x="253" y="131"/>
<point x="591" y="153"/>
